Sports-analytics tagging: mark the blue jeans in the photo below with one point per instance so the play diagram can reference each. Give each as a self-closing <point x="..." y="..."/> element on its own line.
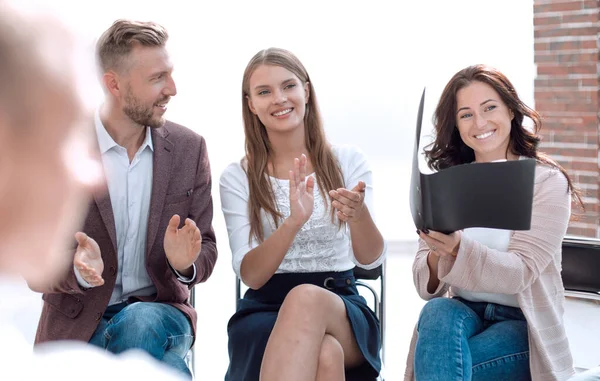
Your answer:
<point x="462" y="340"/>
<point x="159" y="329"/>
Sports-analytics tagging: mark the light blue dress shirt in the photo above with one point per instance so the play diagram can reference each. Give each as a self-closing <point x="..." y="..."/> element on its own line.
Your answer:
<point x="130" y="188"/>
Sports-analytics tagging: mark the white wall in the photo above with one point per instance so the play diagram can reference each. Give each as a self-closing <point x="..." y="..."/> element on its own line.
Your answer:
<point x="369" y="62"/>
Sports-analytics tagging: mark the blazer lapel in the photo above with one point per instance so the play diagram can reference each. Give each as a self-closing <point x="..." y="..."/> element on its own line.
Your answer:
<point x="162" y="162"/>
<point x="102" y="198"/>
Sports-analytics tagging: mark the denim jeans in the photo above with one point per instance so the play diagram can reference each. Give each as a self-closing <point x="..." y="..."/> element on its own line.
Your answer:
<point x="462" y="340"/>
<point x="589" y="375"/>
<point x="159" y="329"/>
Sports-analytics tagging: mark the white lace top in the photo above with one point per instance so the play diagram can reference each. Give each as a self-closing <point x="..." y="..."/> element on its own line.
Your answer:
<point x="320" y="245"/>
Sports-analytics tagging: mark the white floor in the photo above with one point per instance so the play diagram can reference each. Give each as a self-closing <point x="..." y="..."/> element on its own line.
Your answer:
<point x="402" y="304"/>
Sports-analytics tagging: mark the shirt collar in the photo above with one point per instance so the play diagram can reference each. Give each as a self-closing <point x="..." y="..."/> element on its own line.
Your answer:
<point x="106" y="142"/>
<point x="148" y="140"/>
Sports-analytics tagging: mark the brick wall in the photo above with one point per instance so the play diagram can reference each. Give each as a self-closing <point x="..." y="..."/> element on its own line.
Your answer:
<point x="566" y="94"/>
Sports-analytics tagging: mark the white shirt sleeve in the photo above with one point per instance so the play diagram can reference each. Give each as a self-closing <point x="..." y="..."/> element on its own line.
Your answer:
<point x="355" y="167"/>
<point x="183" y="278"/>
<point x="234" y="191"/>
<point x="80" y="279"/>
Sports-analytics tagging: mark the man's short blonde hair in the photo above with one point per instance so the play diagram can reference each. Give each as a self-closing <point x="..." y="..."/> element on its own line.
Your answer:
<point x="116" y="42"/>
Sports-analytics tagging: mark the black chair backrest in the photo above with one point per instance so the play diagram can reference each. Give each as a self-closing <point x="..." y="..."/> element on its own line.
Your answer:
<point x="581" y="264"/>
<point x="373" y="274"/>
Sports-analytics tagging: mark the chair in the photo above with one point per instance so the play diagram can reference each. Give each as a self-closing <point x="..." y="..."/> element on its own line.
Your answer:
<point x="190" y="357"/>
<point x="376" y="274"/>
<point x="580" y="265"/>
<point x="363" y="278"/>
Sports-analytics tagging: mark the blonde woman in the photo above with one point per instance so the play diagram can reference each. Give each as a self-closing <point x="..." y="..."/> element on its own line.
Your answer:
<point x="298" y="213"/>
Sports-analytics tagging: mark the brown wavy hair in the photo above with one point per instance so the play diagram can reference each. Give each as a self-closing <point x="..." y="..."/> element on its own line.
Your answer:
<point x="258" y="148"/>
<point x="448" y="149"/>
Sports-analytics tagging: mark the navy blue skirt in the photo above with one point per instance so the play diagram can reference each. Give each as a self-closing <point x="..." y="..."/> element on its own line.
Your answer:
<point x="250" y="327"/>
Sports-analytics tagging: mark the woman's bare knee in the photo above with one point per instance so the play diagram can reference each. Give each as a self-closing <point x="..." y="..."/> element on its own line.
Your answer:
<point x="303" y="302"/>
<point x="331" y="360"/>
<point x="304" y="296"/>
<point x="311" y="312"/>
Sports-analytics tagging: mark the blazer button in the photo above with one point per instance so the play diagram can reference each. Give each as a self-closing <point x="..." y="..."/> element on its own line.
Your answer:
<point x="113" y="270"/>
<point x="98" y="316"/>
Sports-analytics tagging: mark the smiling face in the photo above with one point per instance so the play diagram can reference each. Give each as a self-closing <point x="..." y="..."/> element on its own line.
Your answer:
<point x="278" y="98"/>
<point x="483" y="121"/>
<point x="148" y="86"/>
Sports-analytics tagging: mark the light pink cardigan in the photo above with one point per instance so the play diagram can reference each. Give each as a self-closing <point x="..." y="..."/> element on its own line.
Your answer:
<point x="530" y="269"/>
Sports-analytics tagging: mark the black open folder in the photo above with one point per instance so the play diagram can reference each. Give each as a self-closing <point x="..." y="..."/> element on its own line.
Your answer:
<point x="492" y="195"/>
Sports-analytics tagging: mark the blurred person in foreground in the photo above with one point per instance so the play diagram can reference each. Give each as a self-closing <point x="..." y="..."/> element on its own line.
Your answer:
<point x="46" y="174"/>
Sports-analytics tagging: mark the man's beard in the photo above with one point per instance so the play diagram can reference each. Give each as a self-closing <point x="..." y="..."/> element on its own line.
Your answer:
<point x="141" y="114"/>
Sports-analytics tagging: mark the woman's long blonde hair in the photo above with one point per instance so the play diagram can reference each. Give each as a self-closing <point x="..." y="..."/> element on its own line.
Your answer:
<point x="258" y="148"/>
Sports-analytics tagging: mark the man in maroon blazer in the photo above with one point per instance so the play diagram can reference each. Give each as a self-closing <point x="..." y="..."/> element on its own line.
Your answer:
<point x="147" y="238"/>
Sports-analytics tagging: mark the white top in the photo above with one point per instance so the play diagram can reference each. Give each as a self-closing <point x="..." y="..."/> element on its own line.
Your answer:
<point x="495" y="239"/>
<point x="320" y="245"/>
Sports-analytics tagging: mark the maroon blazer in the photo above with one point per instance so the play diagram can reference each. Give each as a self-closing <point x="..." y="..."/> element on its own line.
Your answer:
<point x="181" y="184"/>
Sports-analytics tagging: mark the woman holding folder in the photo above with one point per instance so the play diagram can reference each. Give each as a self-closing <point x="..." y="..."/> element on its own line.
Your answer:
<point x="495" y="297"/>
